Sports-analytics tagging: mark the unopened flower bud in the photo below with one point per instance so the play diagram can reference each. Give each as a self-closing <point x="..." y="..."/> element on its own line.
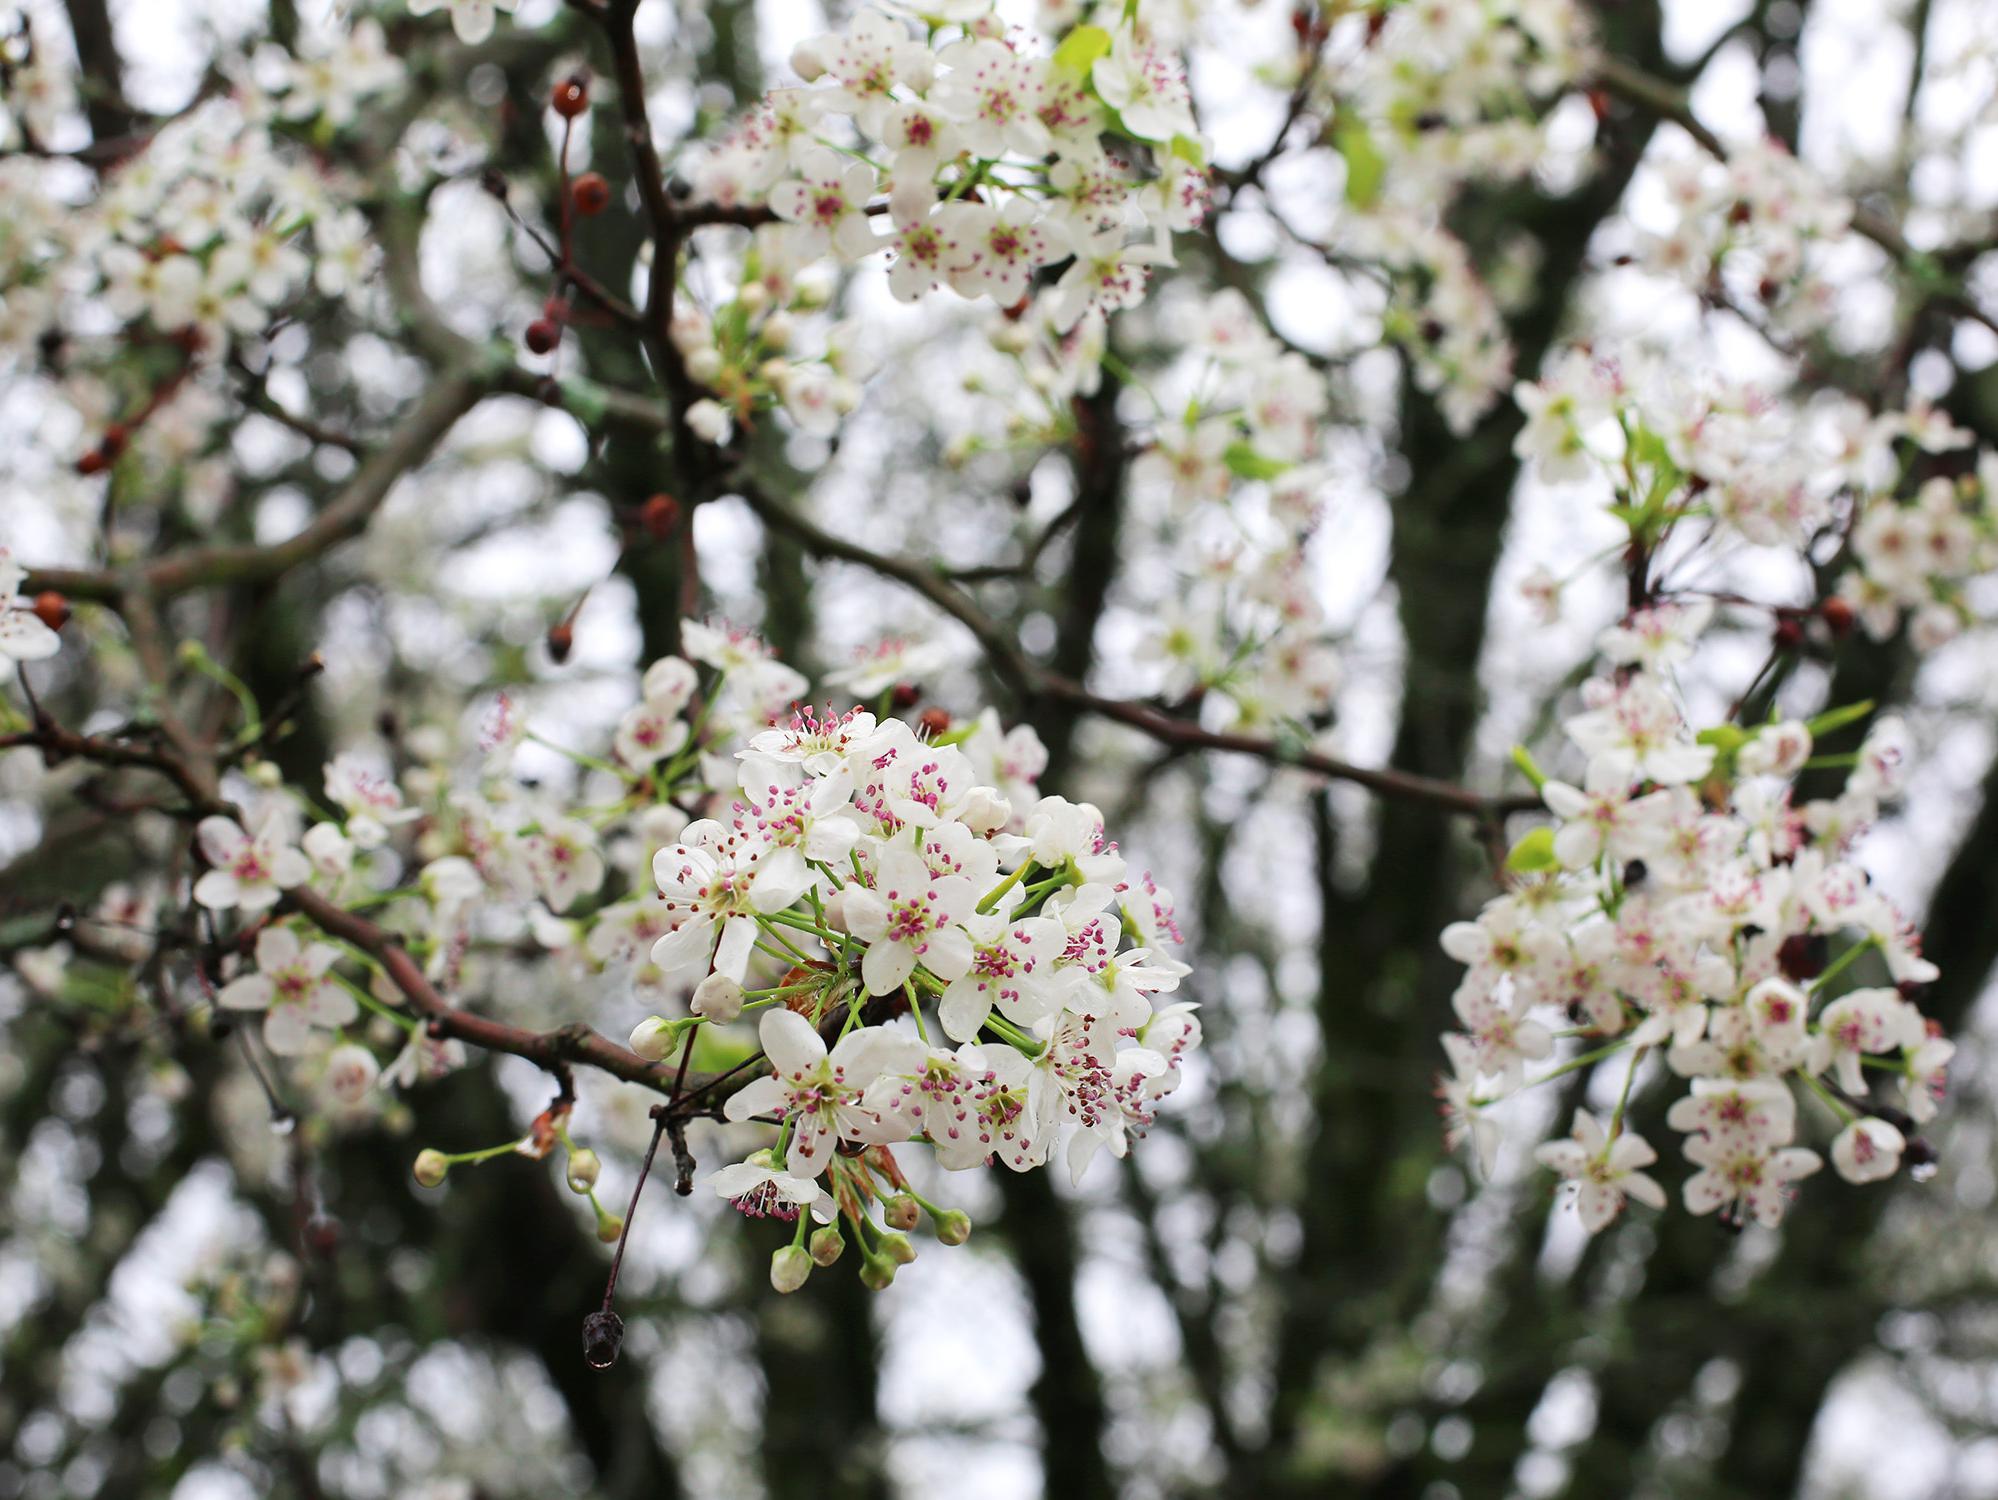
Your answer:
<point x="789" y="1267"/>
<point x="561" y="640"/>
<point x="264" y="773"/>
<point x="52" y="609"/>
<point x="778" y="331"/>
<point x="877" y="1273"/>
<point x="654" y="1038"/>
<point x="609" y="1227"/>
<point x="813" y="288"/>
<point x="898" y="1248"/>
<point x="708" y="421"/>
<point x="583" y="1169"/>
<point x="806" y="61"/>
<point x="900" y="1211"/>
<point x="828" y="1244"/>
<point x="753" y="297"/>
<point x="953" y="1227"/>
<point x="718" y="998"/>
<point x="431" y="1167"/>
<point x="705" y="366"/>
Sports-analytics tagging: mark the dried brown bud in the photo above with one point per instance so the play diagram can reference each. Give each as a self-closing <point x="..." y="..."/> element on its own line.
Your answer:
<point x="933" y="722"/>
<point x="591" y="194"/>
<point x="561" y="640"/>
<point x="571" y="97"/>
<point x="1803" y="956"/>
<point x="603" y="1335"/>
<point x="93" y="462"/>
<point x="1789" y="633"/>
<point x="52" y="609"/>
<point x="542" y="336"/>
<point x="1837" y="614"/>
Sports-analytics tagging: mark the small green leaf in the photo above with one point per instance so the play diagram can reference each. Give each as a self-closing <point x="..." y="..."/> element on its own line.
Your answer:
<point x="1366" y="168"/>
<point x="1245" y="463"/>
<point x="1533" y="854"/>
<point x="1080" y="49"/>
<point x="1187" y="149"/>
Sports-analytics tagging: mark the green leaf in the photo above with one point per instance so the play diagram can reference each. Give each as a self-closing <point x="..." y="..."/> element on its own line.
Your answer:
<point x="1080" y="49"/>
<point x="1533" y="854"/>
<point x="1365" y="166"/>
<point x="1187" y="149"/>
<point x="1837" y="718"/>
<point x="1245" y="463"/>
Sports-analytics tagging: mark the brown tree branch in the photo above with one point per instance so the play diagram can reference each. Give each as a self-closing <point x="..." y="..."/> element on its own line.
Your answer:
<point x="1032" y="680"/>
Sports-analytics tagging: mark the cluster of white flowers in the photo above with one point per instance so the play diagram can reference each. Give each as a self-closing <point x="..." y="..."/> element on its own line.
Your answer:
<point x="1915" y="558"/>
<point x="928" y="948"/>
<point x="212" y="228"/>
<point x="1231" y="474"/>
<point x="1684" y="903"/>
<point x="1761" y="227"/>
<point x="973" y="160"/>
<point x="1777" y="474"/>
<point x="1423" y="101"/>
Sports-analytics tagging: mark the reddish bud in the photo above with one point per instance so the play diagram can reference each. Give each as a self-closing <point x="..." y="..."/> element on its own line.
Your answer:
<point x="1599" y="103"/>
<point x="1789" y="633"/>
<point x="93" y="462"/>
<point x="322" y="1235"/>
<point x="542" y="335"/>
<point x="52" y="609"/>
<point x="659" y="515"/>
<point x="1837" y="613"/>
<point x="906" y="695"/>
<point x="591" y="194"/>
<point x="561" y="640"/>
<point x="571" y="97"/>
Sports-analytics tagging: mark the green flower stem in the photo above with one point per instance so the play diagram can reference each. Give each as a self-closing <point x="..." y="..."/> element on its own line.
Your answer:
<point x="1011" y="1033"/>
<point x="992" y="896"/>
<point x="1623" y="1099"/>
<point x="472" y="1158"/>
<point x="370" y="1003"/>
<point x="1843" y="962"/>
<point x="1831" y="1102"/>
<point x="1573" y="1064"/>
<point x="593" y="762"/>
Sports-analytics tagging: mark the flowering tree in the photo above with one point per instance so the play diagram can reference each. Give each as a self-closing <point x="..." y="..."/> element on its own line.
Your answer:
<point x="563" y="603"/>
